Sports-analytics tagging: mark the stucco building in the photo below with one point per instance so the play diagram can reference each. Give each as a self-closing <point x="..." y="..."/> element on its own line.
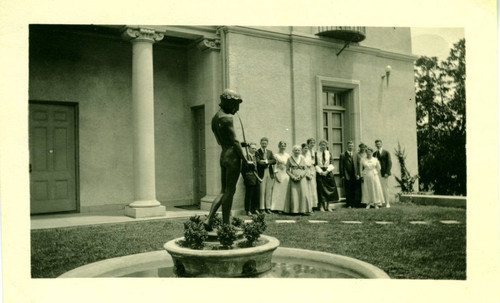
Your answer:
<point x="120" y="115"/>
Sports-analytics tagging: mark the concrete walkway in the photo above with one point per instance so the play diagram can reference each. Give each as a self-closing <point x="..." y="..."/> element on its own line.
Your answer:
<point x="117" y="216"/>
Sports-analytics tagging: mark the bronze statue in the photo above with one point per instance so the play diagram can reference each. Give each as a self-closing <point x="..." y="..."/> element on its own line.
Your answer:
<point x="231" y="155"/>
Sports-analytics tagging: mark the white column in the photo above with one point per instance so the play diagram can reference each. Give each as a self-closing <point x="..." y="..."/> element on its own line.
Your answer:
<point x="145" y="203"/>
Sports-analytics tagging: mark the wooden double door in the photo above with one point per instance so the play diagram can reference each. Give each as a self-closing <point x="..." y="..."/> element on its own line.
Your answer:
<point x="53" y="157"/>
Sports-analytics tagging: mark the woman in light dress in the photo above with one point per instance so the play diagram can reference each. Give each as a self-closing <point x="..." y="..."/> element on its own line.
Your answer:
<point x="371" y="188"/>
<point x="360" y="155"/>
<point x="310" y="161"/>
<point x="299" y="198"/>
<point x="310" y="172"/>
<point x="281" y="178"/>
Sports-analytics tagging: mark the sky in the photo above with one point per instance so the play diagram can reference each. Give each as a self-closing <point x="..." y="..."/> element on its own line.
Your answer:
<point x="436" y="42"/>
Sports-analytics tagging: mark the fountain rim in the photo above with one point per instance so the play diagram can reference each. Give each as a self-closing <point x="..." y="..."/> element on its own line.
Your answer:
<point x="119" y="266"/>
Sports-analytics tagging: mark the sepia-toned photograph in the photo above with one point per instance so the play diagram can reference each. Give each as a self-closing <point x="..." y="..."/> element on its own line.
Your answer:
<point x="223" y="151"/>
<point x="285" y="152"/>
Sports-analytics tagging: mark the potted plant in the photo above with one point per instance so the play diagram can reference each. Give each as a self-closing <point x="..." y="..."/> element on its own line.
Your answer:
<point x="406" y="181"/>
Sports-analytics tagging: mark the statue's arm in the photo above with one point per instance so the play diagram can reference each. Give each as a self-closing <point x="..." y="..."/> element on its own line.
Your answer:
<point x="227" y="130"/>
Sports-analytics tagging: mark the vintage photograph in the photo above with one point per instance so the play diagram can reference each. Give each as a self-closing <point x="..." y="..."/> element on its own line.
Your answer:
<point x="171" y="151"/>
<point x="249" y="151"/>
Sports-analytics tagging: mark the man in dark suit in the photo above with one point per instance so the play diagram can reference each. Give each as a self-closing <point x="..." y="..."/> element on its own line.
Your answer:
<point x="384" y="157"/>
<point x="265" y="162"/>
<point x="348" y="174"/>
<point x="252" y="184"/>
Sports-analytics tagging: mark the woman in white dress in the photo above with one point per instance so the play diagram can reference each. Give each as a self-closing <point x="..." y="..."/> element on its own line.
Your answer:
<point x="310" y="172"/>
<point x="371" y="188"/>
<point x="281" y="178"/>
<point x="299" y="198"/>
<point x="310" y="158"/>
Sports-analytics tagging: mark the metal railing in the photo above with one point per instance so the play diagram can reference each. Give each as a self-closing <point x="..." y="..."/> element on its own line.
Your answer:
<point x="325" y="29"/>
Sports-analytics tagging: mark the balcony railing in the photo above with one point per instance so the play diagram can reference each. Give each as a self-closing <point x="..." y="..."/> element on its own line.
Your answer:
<point x="345" y="33"/>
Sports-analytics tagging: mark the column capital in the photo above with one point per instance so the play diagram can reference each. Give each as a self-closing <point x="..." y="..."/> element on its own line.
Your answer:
<point x="210" y="44"/>
<point x="143" y="34"/>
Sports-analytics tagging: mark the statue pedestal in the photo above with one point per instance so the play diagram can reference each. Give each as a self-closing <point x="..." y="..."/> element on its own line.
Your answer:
<point x="206" y="202"/>
<point x="238" y="207"/>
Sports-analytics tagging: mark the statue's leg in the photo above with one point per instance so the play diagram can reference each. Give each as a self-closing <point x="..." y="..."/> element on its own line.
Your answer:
<point x="232" y="175"/>
<point x="214" y="208"/>
<point x="218" y="200"/>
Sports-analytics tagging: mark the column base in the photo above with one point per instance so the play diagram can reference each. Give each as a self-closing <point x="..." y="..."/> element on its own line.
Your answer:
<point x="145" y="212"/>
<point x="144" y="203"/>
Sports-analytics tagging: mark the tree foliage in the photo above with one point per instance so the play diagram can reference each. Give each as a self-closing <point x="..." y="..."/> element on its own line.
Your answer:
<point x="441" y="122"/>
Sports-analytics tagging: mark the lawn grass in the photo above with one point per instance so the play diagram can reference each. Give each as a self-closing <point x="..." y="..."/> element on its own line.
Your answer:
<point x="401" y="249"/>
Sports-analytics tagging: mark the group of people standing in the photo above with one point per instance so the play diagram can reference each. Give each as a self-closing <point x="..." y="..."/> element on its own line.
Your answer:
<point x="304" y="181"/>
<point x="296" y="183"/>
<point x="365" y="175"/>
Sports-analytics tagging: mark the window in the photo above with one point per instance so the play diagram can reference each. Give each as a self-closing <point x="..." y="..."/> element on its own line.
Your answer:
<point x="338" y="114"/>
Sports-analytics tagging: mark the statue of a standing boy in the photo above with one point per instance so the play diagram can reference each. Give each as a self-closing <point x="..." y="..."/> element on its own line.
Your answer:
<point x="231" y="155"/>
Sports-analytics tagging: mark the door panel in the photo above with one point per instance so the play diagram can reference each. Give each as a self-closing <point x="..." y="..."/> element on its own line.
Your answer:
<point x="52" y="158"/>
<point x="199" y="154"/>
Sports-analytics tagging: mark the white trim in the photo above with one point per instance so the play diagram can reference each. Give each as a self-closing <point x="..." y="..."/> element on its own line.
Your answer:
<point x="353" y="47"/>
<point x="260" y="33"/>
<point x="300" y="37"/>
<point x="355" y="114"/>
<point x="224" y="47"/>
<point x="188" y="32"/>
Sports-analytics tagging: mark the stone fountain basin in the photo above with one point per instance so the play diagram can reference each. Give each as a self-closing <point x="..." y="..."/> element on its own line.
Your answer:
<point x="287" y="263"/>
<point x="231" y="263"/>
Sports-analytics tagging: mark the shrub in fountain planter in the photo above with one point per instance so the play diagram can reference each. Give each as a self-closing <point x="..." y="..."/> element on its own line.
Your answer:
<point x="217" y="221"/>
<point x="237" y="222"/>
<point x="209" y="260"/>
<point x="226" y="235"/>
<point x="254" y="229"/>
<point x="194" y="233"/>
